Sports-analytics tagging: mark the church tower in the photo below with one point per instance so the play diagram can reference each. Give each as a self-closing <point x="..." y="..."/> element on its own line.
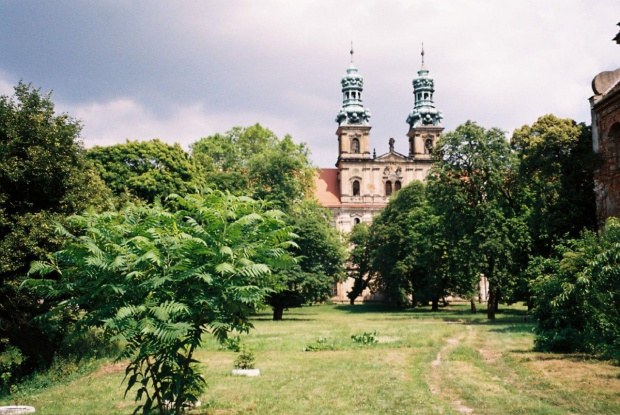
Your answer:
<point x="353" y="119"/>
<point x="424" y="120"/>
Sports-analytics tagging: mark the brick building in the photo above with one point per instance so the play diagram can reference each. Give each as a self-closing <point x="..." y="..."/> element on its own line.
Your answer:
<point x="605" y="107"/>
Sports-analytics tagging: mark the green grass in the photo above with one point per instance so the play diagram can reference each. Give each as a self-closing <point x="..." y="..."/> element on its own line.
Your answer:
<point x="489" y="368"/>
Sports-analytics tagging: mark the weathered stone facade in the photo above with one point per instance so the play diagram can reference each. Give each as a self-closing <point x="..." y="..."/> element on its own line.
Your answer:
<point x="605" y="107"/>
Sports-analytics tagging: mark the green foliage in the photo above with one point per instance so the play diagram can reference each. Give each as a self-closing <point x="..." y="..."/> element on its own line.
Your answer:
<point x="159" y="280"/>
<point x="320" y="262"/>
<point x="470" y="187"/>
<point x="577" y="296"/>
<point x="365" y="338"/>
<point x="254" y="161"/>
<point x="555" y="185"/>
<point x="359" y="260"/>
<point x="232" y="343"/>
<point x="246" y="358"/>
<point x="149" y="170"/>
<point x="43" y="177"/>
<point x="320" y="344"/>
<point x="407" y="249"/>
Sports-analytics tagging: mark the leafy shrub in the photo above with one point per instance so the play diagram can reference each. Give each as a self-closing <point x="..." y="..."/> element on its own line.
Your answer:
<point x="320" y="344"/>
<point x="577" y="296"/>
<point x="233" y="344"/>
<point x="246" y="359"/>
<point x="365" y="338"/>
<point x="159" y="279"/>
<point x="10" y="361"/>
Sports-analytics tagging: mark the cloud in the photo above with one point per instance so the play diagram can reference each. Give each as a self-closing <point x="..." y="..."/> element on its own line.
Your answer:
<point x="183" y="70"/>
<point x="126" y="119"/>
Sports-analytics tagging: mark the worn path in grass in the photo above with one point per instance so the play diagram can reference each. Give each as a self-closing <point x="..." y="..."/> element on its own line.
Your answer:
<point x="448" y="362"/>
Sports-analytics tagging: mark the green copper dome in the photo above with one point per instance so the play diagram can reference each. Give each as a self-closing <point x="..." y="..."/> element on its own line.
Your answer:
<point x="424" y="111"/>
<point x="352" y="111"/>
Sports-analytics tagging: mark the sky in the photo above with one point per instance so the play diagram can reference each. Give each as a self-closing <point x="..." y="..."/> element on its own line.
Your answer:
<point x="182" y="70"/>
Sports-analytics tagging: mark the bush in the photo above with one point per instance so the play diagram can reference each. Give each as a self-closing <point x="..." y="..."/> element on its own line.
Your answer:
<point x="577" y="295"/>
<point x="365" y="338"/>
<point x="320" y="344"/>
<point x="246" y="359"/>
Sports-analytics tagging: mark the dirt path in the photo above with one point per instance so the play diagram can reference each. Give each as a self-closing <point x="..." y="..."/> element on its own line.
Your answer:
<point x="435" y="382"/>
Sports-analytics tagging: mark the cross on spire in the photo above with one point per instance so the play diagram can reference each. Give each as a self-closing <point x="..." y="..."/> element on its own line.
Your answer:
<point x="422" y="54"/>
<point x="352" y="52"/>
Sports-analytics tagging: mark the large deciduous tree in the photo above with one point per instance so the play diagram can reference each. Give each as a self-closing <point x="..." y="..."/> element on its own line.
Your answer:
<point x="254" y="161"/>
<point x="555" y="169"/>
<point x="161" y="280"/>
<point x="149" y="170"/>
<point x="408" y="251"/>
<point x="321" y="254"/>
<point x="43" y="177"/>
<point x="469" y="186"/>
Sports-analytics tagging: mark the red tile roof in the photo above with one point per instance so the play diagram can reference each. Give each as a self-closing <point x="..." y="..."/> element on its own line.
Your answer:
<point x="327" y="187"/>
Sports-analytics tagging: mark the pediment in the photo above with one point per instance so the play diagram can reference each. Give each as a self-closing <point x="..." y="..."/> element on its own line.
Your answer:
<point x="393" y="156"/>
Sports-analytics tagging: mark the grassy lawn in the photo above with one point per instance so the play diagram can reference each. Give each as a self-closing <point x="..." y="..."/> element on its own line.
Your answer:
<point x="448" y="362"/>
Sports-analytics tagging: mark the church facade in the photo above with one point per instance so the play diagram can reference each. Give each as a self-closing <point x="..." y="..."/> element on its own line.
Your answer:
<point x="361" y="183"/>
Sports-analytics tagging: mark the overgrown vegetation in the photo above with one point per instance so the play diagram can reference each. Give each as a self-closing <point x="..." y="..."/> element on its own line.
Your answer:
<point x="160" y="280"/>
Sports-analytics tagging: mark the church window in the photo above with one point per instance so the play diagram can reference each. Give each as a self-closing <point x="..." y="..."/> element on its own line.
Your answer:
<point x="355" y="146"/>
<point x="428" y="146"/>
<point x="356" y="221"/>
<point x="356" y="188"/>
<point x="388" y="188"/>
<point x="397" y="185"/>
<point x="426" y="95"/>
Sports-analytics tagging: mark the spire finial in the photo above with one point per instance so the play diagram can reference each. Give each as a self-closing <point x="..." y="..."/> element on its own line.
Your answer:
<point x="352" y="52"/>
<point x="422" y="54"/>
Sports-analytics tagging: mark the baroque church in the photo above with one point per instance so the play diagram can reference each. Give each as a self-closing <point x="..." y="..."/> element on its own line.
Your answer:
<point x="362" y="182"/>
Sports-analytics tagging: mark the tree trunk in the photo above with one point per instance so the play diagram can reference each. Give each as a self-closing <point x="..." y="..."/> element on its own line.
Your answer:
<point x="277" y="313"/>
<point x="491" y="305"/>
<point x="435" y="304"/>
<point x="472" y="303"/>
<point x="351" y="301"/>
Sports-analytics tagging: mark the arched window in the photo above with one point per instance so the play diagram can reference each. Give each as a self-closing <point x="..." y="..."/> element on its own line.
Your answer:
<point x="397" y="185"/>
<point x="355" y="146"/>
<point x="356" y="221"/>
<point x="388" y="188"/>
<point x="356" y="188"/>
<point x="428" y="146"/>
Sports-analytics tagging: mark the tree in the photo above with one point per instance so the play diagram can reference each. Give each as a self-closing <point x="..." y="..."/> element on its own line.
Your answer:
<point x="320" y="263"/>
<point x="161" y="280"/>
<point x="359" y="260"/>
<point x="233" y="150"/>
<point x="555" y="179"/>
<point x="149" y="170"/>
<point x="43" y="177"/>
<point x="469" y="187"/>
<point x="407" y="250"/>
<point x="255" y="162"/>
<point x="555" y="170"/>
